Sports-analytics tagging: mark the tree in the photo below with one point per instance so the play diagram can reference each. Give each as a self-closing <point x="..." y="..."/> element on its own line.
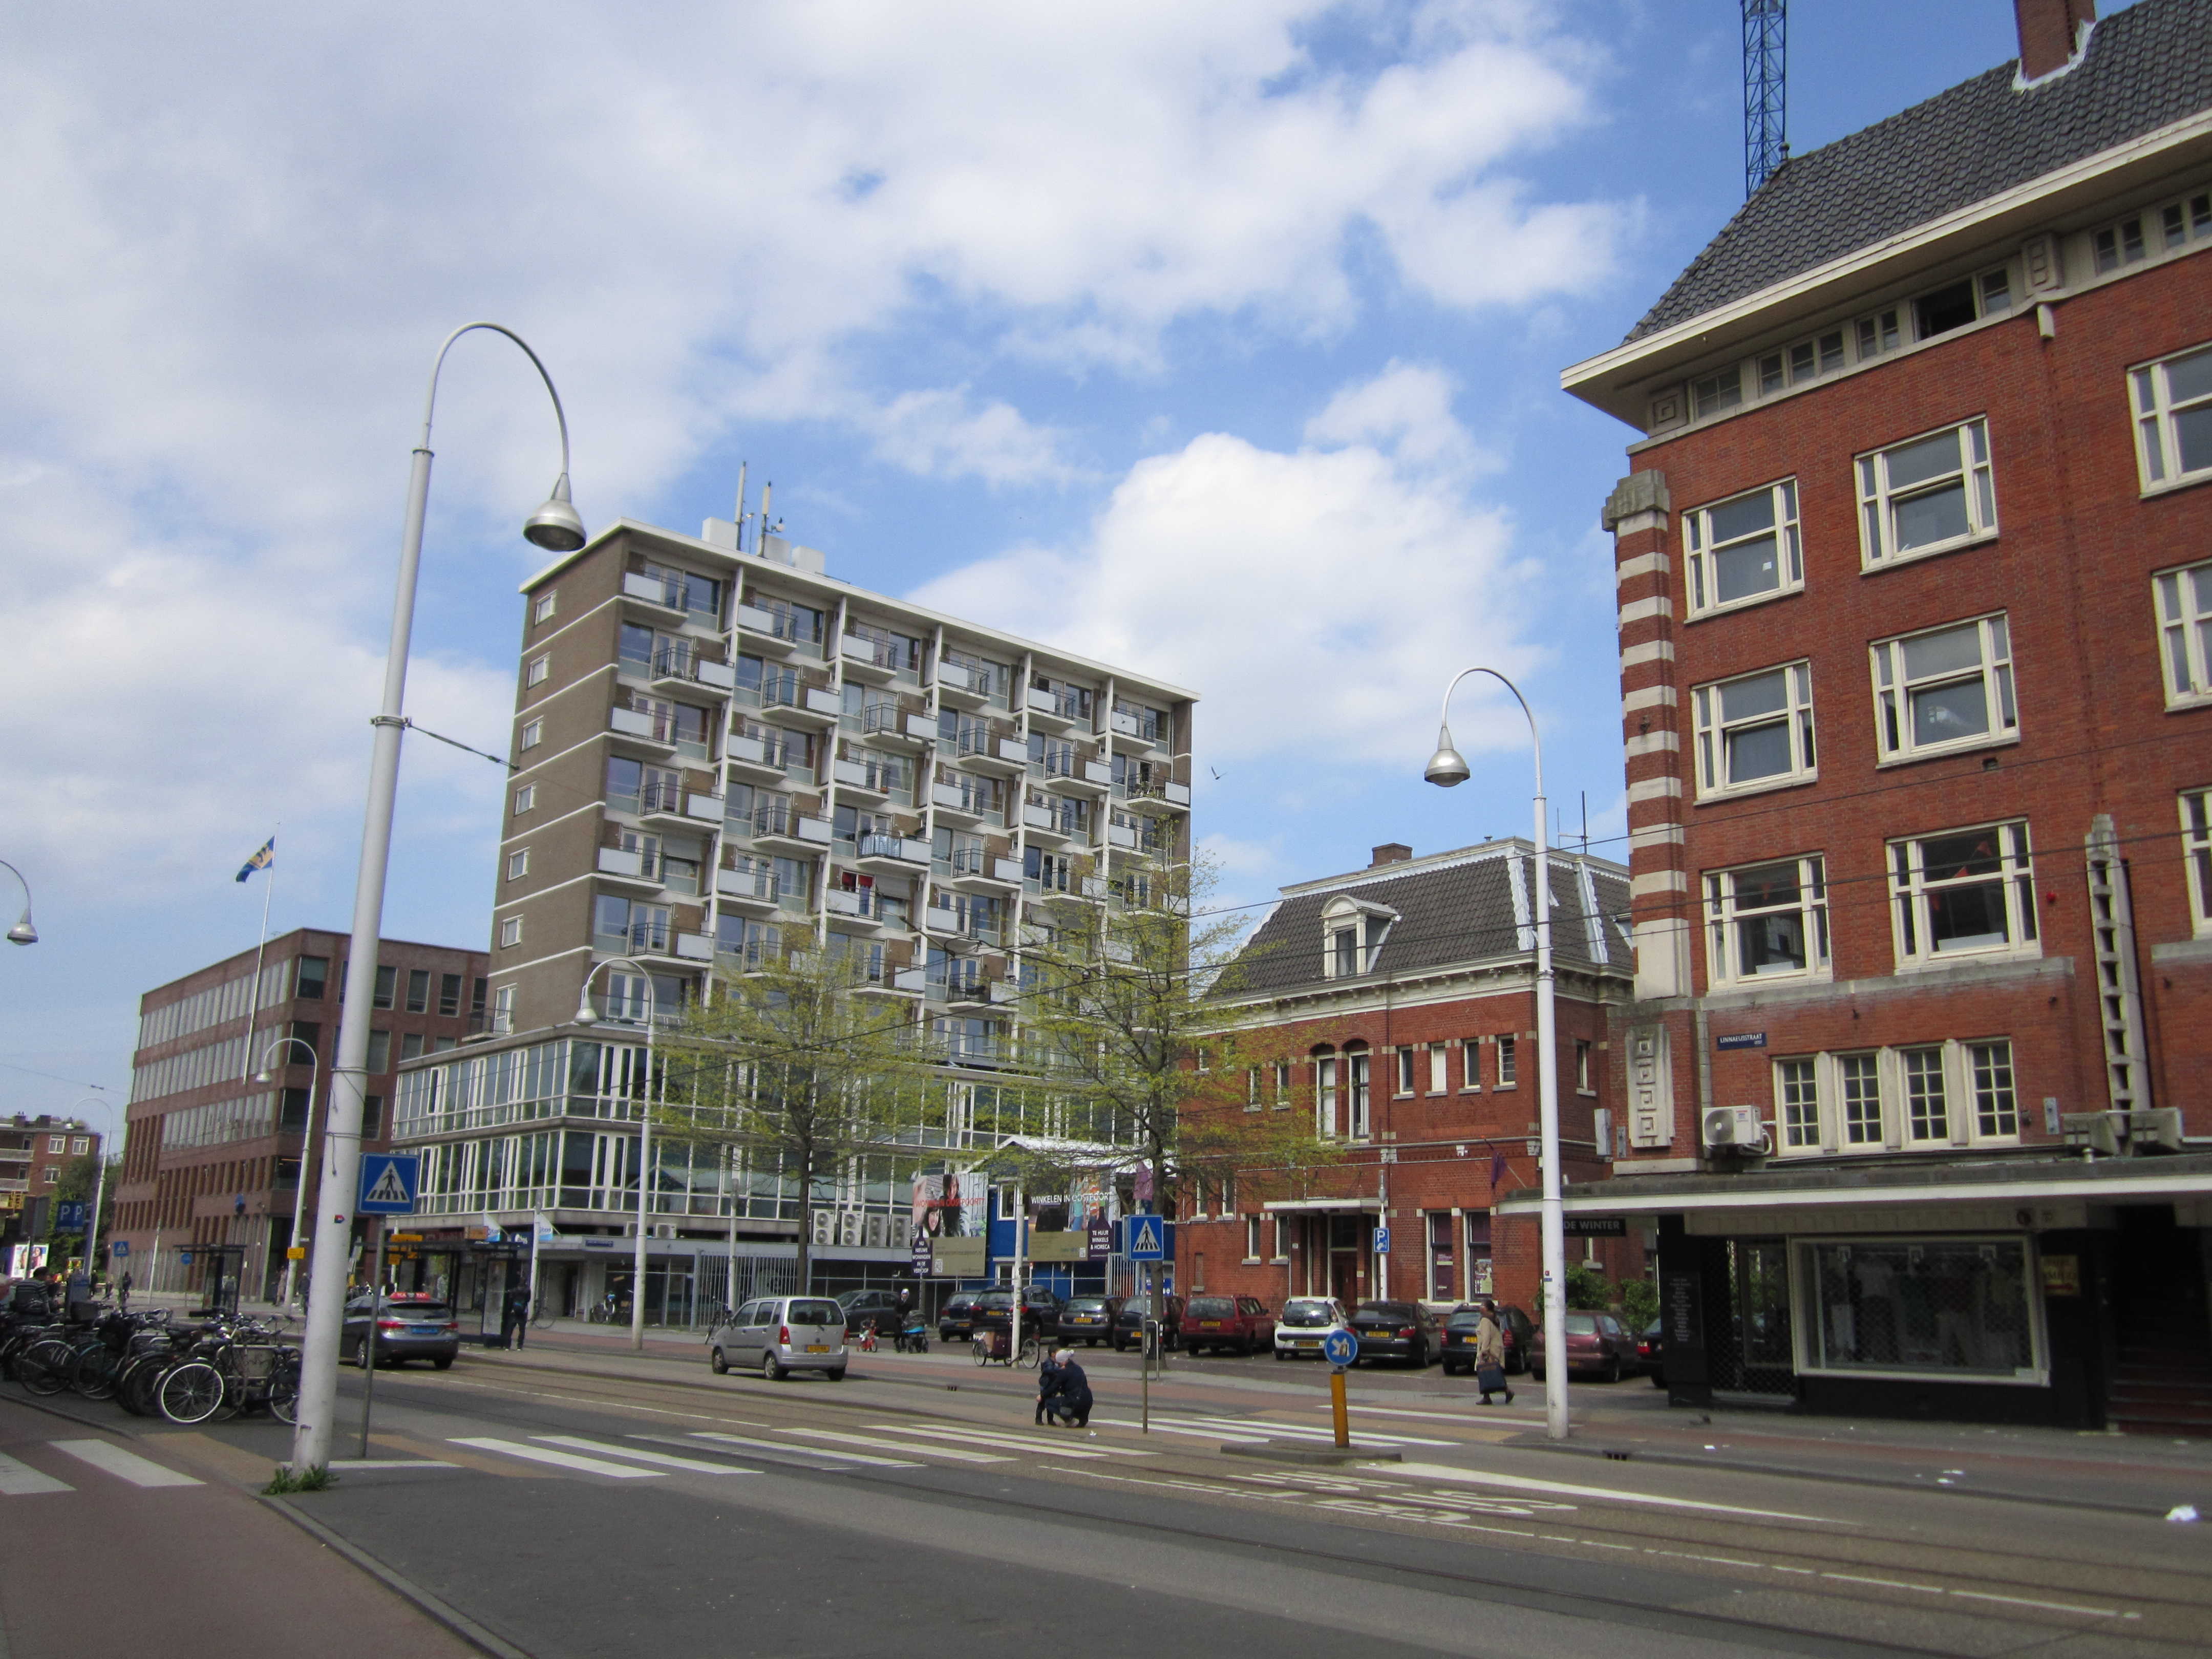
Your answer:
<point x="792" y="1069"/>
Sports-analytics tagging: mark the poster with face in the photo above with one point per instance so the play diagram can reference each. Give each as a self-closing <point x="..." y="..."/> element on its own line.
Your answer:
<point x="949" y="1205"/>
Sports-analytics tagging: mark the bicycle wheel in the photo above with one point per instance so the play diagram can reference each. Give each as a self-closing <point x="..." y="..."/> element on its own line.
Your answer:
<point x="192" y="1393"/>
<point x="1031" y="1354"/>
<point x="44" y="1367"/>
<point x="541" y="1317"/>
<point x="284" y="1394"/>
<point x="134" y="1384"/>
<point x="95" y="1374"/>
<point x="982" y="1351"/>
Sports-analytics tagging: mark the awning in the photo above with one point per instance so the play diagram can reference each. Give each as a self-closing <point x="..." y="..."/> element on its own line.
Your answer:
<point x="1321" y="1205"/>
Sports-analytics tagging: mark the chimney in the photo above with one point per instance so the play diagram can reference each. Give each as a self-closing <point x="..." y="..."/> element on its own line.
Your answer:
<point x="1390" y="852"/>
<point x="2050" y="31"/>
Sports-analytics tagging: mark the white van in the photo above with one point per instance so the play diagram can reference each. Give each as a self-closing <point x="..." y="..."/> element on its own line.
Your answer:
<point x="781" y="1335"/>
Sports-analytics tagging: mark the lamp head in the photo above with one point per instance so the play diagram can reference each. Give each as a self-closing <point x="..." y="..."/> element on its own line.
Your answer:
<point x="261" y="1076"/>
<point x="556" y="526"/>
<point x="585" y="1014"/>
<point x="22" y="933"/>
<point x="1447" y="767"/>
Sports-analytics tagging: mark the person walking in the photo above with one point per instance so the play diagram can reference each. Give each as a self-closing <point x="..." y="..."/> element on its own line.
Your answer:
<point x="1050" y="1381"/>
<point x="514" y="1318"/>
<point x="122" y="1291"/>
<point x="1073" y="1406"/>
<point x="1490" y="1356"/>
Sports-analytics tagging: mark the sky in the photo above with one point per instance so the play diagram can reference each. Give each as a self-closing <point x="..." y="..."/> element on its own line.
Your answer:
<point x="1221" y="342"/>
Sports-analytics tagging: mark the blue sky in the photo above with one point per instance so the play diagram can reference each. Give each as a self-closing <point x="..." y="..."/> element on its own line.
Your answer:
<point x="1223" y="341"/>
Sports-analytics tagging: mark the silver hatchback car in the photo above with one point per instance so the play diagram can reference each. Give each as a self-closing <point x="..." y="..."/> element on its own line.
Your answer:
<point x="781" y="1335"/>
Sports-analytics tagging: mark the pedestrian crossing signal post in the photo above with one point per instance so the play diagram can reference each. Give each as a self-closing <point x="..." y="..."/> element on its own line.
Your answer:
<point x="389" y="1182"/>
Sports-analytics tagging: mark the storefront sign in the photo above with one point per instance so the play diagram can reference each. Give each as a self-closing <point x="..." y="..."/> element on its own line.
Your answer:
<point x="1740" y="1040"/>
<point x="1098" y="1238"/>
<point x="1686" y="1325"/>
<point x="959" y="1258"/>
<point x="2062" y="1275"/>
<point x="1596" y="1226"/>
<point x="1059" y="1246"/>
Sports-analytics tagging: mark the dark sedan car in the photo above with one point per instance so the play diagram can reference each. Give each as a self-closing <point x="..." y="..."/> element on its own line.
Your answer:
<point x="880" y="1309"/>
<point x="1397" y="1330"/>
<point x="1597" y="1345"/>
<point x="1128" y="1324"/>
<point x="1088" y="1320"/>
<point x="957" y="1318"/>
<point x="407" y="1328"/>
<point x="994" y="1311"/>
<point x="1651" y="1350"/>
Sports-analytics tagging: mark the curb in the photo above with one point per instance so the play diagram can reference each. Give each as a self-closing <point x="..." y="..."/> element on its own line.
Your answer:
<point x="1300" y="1452"/>
<point x="406" y="1589"/>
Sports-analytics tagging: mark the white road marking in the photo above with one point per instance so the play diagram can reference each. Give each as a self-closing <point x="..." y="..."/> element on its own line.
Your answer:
<point x="124" y="1465"/>
<point x="952" y="1452"/>
<point x="19" y="1480"/>
<point x="697" y="1465"/>
<point x="1160" y="1427"/>
<point x="781" y="1449"/>
<point x="1251" y="1429"/>
<point x="390" y="1463"/>
<point x="558" y="1459"/>
<point x="1523" y="1483"/>
<point x="1042" y="1446"/>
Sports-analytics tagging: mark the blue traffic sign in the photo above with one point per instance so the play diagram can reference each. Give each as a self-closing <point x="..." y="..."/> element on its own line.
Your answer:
<point x="1147" y="1238"/>
<point x="1381" y="1241"/>
<point x="389" y="1181"/>
<point x="69" y="1215"/>
<point x="120" y="1247"/>
<point x="1339" y="1348"/>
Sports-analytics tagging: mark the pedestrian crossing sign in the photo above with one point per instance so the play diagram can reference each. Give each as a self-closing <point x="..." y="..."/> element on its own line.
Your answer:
<point x="1147" y="1238"/>
<point x="388" y="1182"/>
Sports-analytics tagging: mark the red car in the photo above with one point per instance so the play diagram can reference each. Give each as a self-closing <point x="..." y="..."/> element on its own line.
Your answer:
<point x="1597" y="1345"/>
<point x="1241" y="1322"/>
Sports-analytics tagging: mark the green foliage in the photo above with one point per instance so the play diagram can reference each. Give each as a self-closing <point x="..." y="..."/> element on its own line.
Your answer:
<point x="1587" y="1287"/>
<point x="285" y="1481"/>
<point x="1639" y="1302"/>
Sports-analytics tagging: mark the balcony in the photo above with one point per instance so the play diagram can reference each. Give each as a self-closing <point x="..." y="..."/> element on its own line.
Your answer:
<point x="985" y="1053"/>
<point x="1134" y="734"/>
<point x="626" y="868"/>
<point x="780" y="827"/>
<point x="1055" y="711"/>
<point x="887" y="725"/>
<point x="745" y="757"/>
<point x="1120" y="835"/>
<point x="957" y="803"/>
<point x="695" y="947"/>
<point x="753" y="891"/>
<point x="890" y="855"/>
<point x="981" y="749"/>
<point x="868" y="781"/>
<point x="1084" y="777"/>
<point x="775" y="631"/>
<point x="958" y="688"/>
<point x="904" y="983"/>
<point x="853" y="912"/>
<point x="872" y="662"/>
<point x="973" y="870"/>
<point x="1158" y="798"/>
<point x="784" y="694"/>
<point x="1047" y="827"/>
<point x="632" y="732"/>
<point x="654" y="598"/>
<point x="677" y="666"/>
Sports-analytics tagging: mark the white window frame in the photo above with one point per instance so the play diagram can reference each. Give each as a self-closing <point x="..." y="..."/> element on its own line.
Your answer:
<point x="1582" y="1051"/>
<point x="1358" y="1093"/>
<point x="1509" y="1060"/>
<point x="1879" y="498"/>
<point x="2182" y="598"/>
<point x="1714" y="731"/>
<point x="1977" y="1089"/>
<point x="1407" y="1073"/>
<point x="1805" y="1330"/>
<point x="1699" y="551"/>
<point x="540" y="667"/>
<point x="1912" y="891"/>
<point x="1439" y="1068"/>
<point x="1328" y="1080"/>
<point x="1725" y="912"/>
<point x="1470" y="1061"/>
<point x="547" y="602"/>
<point x="1251" y="1238"/>
<point x="2158" y="455"/>
<point x="510" y="933"/>
<point x="2196" y="855"/>
<point x="526" y="799"/>
<point x="517" y="864"/>
<point x="1895" y="741"/>
<point x="533" y="733"/>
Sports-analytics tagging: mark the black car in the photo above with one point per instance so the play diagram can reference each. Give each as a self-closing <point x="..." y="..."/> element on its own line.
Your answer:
<point x="407" y="1328"/>
<point x="1129" y="1323"/>
<point x="994" y="1311"/>
<point x="1513" y="1325"/>
<point x="1652" y="1352"/>
<point x="880" y="1309"/>
<point x="1397" y="1330"/>
<point x="1088" y="1319"/>
<point x="957" y="1318"/>
<point x="1520" y="1336"/>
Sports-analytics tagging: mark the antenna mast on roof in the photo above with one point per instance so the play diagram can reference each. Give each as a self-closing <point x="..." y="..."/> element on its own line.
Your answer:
<point x="1766" y="105"/>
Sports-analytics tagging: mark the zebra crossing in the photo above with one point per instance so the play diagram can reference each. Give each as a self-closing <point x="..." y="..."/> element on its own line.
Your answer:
<point x="1254" y="1430"/>
<point x="20" y="1480"/>
<point x="866" y="1446"/>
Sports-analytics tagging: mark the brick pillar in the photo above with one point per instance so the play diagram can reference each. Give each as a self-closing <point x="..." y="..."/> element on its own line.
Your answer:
<point x="1638" y="513"/>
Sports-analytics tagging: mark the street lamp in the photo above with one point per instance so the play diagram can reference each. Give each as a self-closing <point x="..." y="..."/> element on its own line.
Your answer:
<point x="306" y="1140"/>
<point x="587" y="1015"/>
<point x="555" y="528"/>
<point x="99" y="1181"/>
<point x="22" y="933"/>
<point x="1446" y="768"/>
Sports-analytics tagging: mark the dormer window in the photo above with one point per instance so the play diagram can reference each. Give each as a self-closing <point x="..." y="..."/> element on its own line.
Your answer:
<point x="1352" y="933"/>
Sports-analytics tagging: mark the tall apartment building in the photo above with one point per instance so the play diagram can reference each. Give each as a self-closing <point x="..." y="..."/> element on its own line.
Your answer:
<point x="1397" y="1005"/>
<point x="213" y="1155"/>
<point x="1915" y="576"/>
<point x="33" y="1152"/>
<point x="722" y="755"/>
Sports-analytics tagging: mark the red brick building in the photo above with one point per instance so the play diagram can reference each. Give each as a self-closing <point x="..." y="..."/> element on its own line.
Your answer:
<point x="34" y="1153"/>
<point x="1915" y="574"/>
<point x="1401" y="1000"/>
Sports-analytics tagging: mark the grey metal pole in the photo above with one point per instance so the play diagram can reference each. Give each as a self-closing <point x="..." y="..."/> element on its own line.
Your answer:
<point x="644" y="1176"/>
<point x="368" y="1342"/>
<point x="328" y="1266"/>
<point x="99" y="1189"/>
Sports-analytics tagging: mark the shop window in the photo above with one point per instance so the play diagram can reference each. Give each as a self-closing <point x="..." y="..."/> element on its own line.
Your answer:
<point x="1954" y="1309"/>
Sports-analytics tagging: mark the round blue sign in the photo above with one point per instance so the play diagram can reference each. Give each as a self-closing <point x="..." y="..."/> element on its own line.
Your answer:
<point x="1339" y="1348"/>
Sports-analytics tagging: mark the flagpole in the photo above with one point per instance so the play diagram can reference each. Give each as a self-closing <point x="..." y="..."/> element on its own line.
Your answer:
<point x="254" y="1008"/>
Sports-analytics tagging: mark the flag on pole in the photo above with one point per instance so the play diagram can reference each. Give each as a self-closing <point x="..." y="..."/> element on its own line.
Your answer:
<point x="1497" y="1164"/>
<point x="261" y="859"/>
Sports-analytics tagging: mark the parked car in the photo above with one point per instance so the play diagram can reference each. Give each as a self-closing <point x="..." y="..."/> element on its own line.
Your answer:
<point x="1221" y="1323"/>
<point x="994" y="1311"/>
<point x="1460" y="1326"/>
<point x="1520" y="1333"/>
<point x="1129" y="1323"/>
<point x="1088" y="1319"/>
<point x="781" y="1335"/>
<point x="957" y="1318"/>
<point x="878" y="1308"/>
<point x="1596" y="1344"/>
<point x="1397" y="1330"/>
<point x="407" y="1327"/>
<point x="1652" y="1351"/>
<point x="1304" y="1321"/>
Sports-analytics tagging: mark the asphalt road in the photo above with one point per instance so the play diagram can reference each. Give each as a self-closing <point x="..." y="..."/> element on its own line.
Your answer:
<point x="588" y="1505"/>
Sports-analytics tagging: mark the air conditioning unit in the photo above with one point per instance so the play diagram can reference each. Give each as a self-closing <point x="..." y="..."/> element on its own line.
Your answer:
<point x="826" y="1226"/>
<point x="877" y="1234"/>
<point x="663" y="1230"/>
<point x="1735" y="1129"/>
<point x="2093" y="1130"/>
<point x="848" y="1229"/>
<point x="2160" y="1128"/>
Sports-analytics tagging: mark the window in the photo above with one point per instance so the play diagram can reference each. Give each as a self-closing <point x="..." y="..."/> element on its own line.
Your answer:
<point x="1797" y="1093"/>
<point x="1582" y="1067"/>
<point x="517" y="864"/>
<point x="418" y="990"/>
<point x="503" y="1008"/>
<point x="1282" y="1084"/>
<point x="1877" y="334"/>
<point x="372" y="1113"/>
<point x="1755" y="732"/>
<point x="379" y="1051"/>
<point x="539" y="668"/>
<point x="1996" y="1110"/>
<point x="449" y="995"/>
<point x="57" y="1143"/>
<point x="2196" y="848"/>
<point x="1717" y="391"/>
<point x="53" y="1175"/>
<point x="1405" y="1065"/>
<point x="1251" y="1238"/>
<point x="1957" y="304"/>
<point x="1356" y="1068"/>
<point x="510" y="933"/>
<point x="387" y="983"/>
<point x="410" y="1045"/>
<point x="1951" y="1307"/>
<point x="1766" y="921"/>
<point x="1439" y="1068"/>
<point x="1939" y="1096"/>
<point x="1471" y="1064"/>
<point x="2173" y="419"/>
<point x="1927" y="1106"/>
<point x="2184" y="618"/>
<point x="533" y="734"/>
<point x="80" y="1144"/>
<point x="314" y="975"/>
<point x="1947" y="688"/>
<point x="1859" y="1079"/>
<point x="1807" y="360"/>
<point x="1966" y="891"/>
<point x="2183" y="222"/>
<point x="1743" y="549"/>
<point x="1325" y="1123"/>
<point x="1928" y="496"/>
<point x="525" y="798"/>
<point x="2119" y="244"/>
<point x="548" y="602"/>
<point x="1507" y="1062"/>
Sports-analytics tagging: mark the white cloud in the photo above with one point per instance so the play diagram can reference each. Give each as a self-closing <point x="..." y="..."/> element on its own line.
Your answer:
<point x="1317" y="600"/>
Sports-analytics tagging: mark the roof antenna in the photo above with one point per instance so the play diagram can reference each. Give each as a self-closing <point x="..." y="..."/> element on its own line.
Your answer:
<point x="741" y="506"/>
<point x="1766" y="105"/>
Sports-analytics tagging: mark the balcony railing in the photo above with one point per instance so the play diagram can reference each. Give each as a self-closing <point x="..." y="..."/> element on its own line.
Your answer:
<point x="662" y="797"/>
<point x="747" y="885"/>
<point x="892" y="847"/>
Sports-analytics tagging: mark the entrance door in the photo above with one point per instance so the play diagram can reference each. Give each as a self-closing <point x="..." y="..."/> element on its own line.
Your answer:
<point x="1347" y="1246"/>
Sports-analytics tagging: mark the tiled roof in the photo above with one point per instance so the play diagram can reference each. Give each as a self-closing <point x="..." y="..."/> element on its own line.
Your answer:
<point x="2147" y="67"/>
<point x="1451" y="913"/>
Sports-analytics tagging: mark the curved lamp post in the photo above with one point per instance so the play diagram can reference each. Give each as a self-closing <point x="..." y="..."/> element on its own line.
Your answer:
<point x="1447" y="768"/>
<point x="587" y="1015"/>
<point x="306" y="1140"/>
<point x="22" y="933"/>
<point x="555" y="528"/>
<point x="100" y="1180"/>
